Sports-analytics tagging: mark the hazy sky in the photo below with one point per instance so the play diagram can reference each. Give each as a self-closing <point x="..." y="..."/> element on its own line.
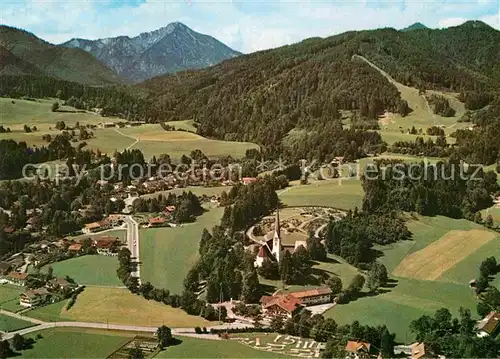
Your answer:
<point x="245" y="25"/>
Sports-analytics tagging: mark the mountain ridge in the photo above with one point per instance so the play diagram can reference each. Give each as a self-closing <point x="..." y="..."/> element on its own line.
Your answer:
<point x="169" y="49"/>
<point x="52" y="60"/>
<point x="415" y="26"/>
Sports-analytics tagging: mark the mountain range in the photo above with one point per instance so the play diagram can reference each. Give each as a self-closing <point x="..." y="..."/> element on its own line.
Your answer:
<point x="169" y="49"/>
<point x="262" y="96"/>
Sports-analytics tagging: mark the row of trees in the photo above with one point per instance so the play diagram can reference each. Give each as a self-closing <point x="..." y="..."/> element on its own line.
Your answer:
<point x="187" y="205"/>
<point x="353" y="237"/>
<point x="448" y="189"/>
<point x="188" y="301"/>
<point x="453" y="337"/>
<point x="440" y="105"/>
<point x="125" y="102"/>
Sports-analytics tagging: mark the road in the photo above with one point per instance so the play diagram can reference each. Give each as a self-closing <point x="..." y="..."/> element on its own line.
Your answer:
<point x="40" y="325"/>
<point x="133" y="243"/>
<point x="133" y="138"/>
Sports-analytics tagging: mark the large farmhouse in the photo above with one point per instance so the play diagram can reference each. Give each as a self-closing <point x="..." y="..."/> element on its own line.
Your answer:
<point x="285" y="304"/>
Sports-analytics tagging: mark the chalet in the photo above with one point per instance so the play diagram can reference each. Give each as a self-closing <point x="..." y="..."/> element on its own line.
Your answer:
<point x="34" y="297"/>
<point x="248" y="180"/>
<point x="16" y="260"/>
<point x="418" y="351"/>
<point x="136" y="123"/>
<point x="316" y="296"/>
<point x="489" y="325"/>
<point x="282" y="305"/>
<point x="97" y="226"/>
<point x="337" y="160"/>
<point x="60" y="284"/>
<point x="104" y="239"/>
<point x="75" y="247"/>
<point x="107" y="125"/>
<point x="355" y="347"/>
<point x="106" y="248"/>
<point x="156" y="222"/>
<point x="16" y="278"/>
<point x="9" y="230"/>
<point x="169" y="209"/>
<point x="102" y="182"/>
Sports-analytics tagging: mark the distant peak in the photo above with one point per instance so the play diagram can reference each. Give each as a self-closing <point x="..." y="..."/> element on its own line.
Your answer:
<point x="415" y="26"/>
<point x="475" y="24"/>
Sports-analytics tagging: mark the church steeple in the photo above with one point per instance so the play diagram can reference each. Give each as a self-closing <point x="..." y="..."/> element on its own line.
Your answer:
<point x="277" y="238"/>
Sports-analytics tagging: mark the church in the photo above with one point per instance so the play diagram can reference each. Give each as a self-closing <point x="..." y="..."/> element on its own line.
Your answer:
<point x="274" y="249"/>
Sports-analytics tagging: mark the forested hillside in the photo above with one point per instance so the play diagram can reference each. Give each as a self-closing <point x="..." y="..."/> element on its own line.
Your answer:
<point x="262" y="96"/>
<point x="34" y="56"/>
<point x="461" y="58"/>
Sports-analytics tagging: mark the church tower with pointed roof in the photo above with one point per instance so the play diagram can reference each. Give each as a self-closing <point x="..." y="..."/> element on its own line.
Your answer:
<point x="277" y="248"/>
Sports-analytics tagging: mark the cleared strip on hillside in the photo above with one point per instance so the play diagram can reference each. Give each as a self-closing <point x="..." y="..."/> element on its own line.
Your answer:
<point x="435" y="259"/>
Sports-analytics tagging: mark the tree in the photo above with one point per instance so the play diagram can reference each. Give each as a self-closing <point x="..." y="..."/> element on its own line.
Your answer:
<point x="356" y="284"/>
<point x="164" y="336"/>
<point x="335" y="284"/>
<point x="250" y="292"/>
<point x="488" y="267"/>
<point x="135" y="353"/>
<point x="55" y="106"/>
<point x="478" y="218"/>
<point x="286" y="268"/>
<point x="269" y="269"/>
<point x="387" y="343"/>
<point x="372" y="283"/>
<point x="489" y="221"/>
<point x="277" y="323"/>
<point x="18" y="342"/>
<point x="4" y="349"/>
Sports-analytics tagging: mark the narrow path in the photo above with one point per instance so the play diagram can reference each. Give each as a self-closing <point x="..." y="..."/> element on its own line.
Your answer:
<point x="134" y="328"/>
<point x="128" y="136"/>
<point x="317" y="233"/>
<point x="21" y="317"/>
<point x="285" y="190"/>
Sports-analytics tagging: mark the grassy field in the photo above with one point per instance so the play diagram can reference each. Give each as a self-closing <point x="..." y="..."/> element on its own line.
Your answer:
<point x="186" y="125"/>
<point x="118" y="306"/>
<point x="422" y="117"/>
<point x="345" y="194"/>
<point x="334" y="266"/>
<point x="203" y="348"/>
<point x="38" y="113"/>
<point x="9" y="324"/>
<point x="153" y="140"/>
<point x="9" y="297"/>
<point x="425" y="230"/>
<point x="75" y="343"/>
<point x="411" y="298"/>
<point x="407" y="301"/>
<point x="442" y="255"/>
<point x="168" y="253"/>
<point x="89" y="270"/>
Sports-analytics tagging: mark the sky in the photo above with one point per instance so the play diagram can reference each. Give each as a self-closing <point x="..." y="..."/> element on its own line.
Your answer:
<point x="245" y="25"/>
